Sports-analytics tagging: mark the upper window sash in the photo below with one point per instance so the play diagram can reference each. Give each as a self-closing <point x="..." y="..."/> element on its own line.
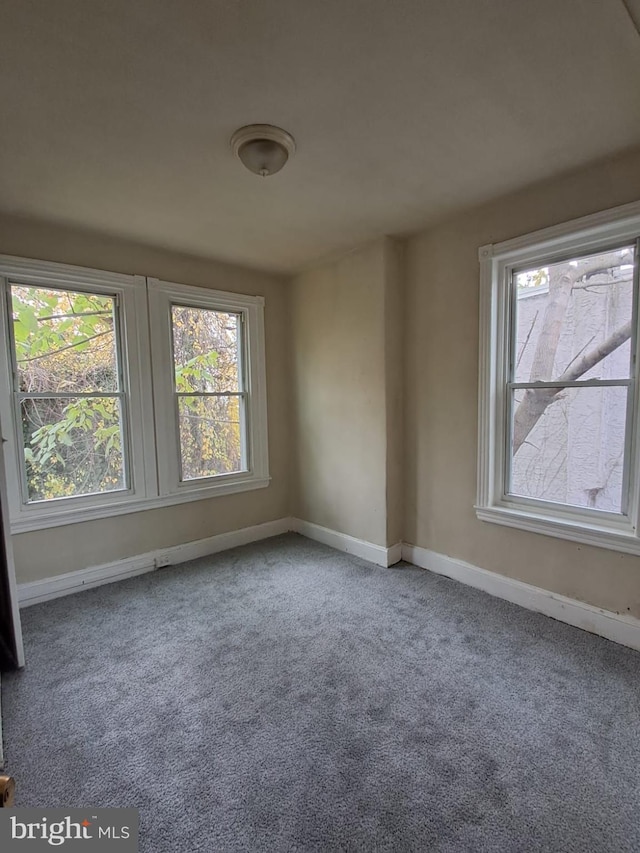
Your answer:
<point x="498" y="262"/>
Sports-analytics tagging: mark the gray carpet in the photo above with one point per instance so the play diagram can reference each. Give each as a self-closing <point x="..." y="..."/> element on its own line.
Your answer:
<point x="286" y="697"/>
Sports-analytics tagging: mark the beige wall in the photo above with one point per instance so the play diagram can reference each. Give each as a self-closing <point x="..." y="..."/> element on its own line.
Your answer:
<point x="442" y="379"/>
<point x="63" y="549"/>
<point x="342" y="342"/>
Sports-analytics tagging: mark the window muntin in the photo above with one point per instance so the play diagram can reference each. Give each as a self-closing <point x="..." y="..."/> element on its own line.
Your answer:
<point x="210" y="396"/>
<point x="567" y="401"/>
<point x="68" y="392"/>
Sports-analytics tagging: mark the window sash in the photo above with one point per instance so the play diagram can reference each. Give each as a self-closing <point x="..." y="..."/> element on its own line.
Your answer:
<point x="117" y="327"/>
<point x="243" y="399"/>
<point x="512" y="270"/>
<point x="124" y="423"/>
<point x="560" y="506"/>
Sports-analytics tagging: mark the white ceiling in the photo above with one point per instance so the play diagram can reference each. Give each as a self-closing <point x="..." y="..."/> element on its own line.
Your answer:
<point x="116" y="114"/>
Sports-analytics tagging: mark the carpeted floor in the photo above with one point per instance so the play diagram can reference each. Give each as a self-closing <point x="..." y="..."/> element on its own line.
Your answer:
<point x="287" y="697"/>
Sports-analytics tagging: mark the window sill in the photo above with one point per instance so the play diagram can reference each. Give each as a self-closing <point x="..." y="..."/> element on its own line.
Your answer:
<point x="31" y="519"/>
<point x="622" y="539"/>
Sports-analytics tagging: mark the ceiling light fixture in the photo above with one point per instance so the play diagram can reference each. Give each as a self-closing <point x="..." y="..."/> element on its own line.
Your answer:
<point x="263" y="148"/>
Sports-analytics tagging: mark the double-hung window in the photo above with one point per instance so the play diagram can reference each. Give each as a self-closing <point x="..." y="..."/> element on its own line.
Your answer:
<point x="209" y="388"/>
<point x="558" y="445"/>
<point x="123" y="393"/>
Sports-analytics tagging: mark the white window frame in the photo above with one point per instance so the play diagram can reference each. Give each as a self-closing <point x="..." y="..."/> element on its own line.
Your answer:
<point x="145" y="334"/>
<point x="129" y="291"/>
<point x="162" y="295"/>
<point x="590" y="234"/>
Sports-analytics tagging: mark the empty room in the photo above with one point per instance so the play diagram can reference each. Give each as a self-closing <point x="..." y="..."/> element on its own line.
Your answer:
<point x="319" y="400"/>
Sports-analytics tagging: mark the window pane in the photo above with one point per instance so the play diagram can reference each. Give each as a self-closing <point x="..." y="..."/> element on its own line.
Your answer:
<point x="573" y="452"/>
<point x="210" y="436"/>
<point x="575" y="316"/>
<point x="73" y="446"/>
<point x="65" y="340"/>
<point x="205" y="350"/>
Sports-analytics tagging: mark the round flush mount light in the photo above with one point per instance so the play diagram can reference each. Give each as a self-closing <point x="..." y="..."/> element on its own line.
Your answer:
<point x="263" y="148"/>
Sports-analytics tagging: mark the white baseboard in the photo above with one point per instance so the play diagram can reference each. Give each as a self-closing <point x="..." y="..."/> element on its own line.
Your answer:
<point x="619" y="628"/>
<point x="394" y="554"/>
<point x="43" y="590"/>
<point x="377" y="554"/>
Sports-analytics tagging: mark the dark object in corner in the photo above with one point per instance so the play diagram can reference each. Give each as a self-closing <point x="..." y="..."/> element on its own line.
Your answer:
<point x="7" y="791"/>
<point x="8" y="651"/>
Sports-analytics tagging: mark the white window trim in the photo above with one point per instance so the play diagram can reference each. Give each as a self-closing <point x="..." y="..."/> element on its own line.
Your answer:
<point x="162" y="295"/>
<point x="140" y="381"/>
<point x="588" y="234"/>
